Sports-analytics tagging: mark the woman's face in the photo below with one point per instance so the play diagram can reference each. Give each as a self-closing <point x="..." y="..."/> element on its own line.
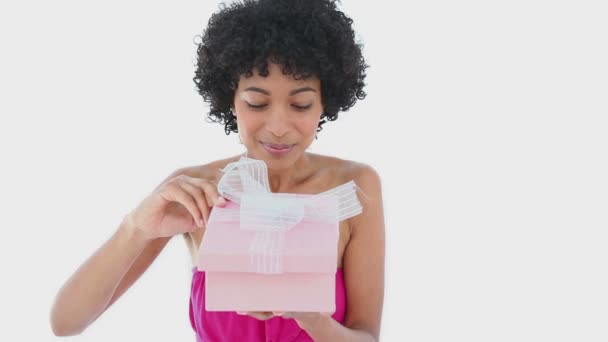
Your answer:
<point x="277" y="116"/>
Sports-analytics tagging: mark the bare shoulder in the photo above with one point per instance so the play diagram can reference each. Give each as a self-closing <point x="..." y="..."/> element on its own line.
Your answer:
<point x="364" y="175"/>
<point x="367" y="181"/>
<point x="369" y="187"/>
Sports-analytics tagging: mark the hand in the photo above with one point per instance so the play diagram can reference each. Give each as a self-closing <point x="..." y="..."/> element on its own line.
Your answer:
<point x="306" y="320"/>
<point x="179" y="205"/>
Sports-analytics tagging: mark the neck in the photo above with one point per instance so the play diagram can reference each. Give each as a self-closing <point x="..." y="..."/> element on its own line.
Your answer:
<point x="284" y="179"/>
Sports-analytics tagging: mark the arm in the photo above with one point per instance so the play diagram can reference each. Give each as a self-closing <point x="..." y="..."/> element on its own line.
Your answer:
<point x="104" y="277"/>
<point x="363" y="270"/>
<point x="89" y="290"/>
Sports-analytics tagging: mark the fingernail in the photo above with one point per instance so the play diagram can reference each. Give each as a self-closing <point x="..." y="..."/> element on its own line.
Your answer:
<point x="240" y="312"/>
<point x="221" y="200"/>
<point x="200" y="223"/>
<point x="278" y="313"/>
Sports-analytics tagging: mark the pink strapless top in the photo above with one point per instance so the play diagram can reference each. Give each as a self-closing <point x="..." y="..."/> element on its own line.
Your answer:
<point x="230" y="326"/>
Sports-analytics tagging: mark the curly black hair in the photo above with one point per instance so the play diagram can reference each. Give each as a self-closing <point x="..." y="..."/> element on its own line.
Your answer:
<point x="306" y="37"/>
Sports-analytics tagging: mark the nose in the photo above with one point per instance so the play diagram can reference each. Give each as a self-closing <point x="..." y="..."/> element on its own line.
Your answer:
<point x="278" y="124"/>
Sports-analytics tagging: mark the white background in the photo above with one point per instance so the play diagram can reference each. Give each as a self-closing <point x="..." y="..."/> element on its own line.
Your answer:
<point x="486" y="121"/>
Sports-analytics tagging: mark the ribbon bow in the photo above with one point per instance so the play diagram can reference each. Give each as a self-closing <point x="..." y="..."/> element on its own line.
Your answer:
<point x="271" y="215"/>
<point x="246" y="182"/>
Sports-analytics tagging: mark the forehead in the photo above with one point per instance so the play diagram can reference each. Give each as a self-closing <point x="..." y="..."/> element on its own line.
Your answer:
<point x="276" y="79"/>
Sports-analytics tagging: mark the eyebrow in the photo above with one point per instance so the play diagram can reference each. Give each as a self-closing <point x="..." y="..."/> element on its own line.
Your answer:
<point x="266" y="92"/>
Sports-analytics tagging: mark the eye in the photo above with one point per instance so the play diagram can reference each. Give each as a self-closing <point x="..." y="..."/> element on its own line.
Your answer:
<point x="303" y="107"/>
<point x="256" y="106"/>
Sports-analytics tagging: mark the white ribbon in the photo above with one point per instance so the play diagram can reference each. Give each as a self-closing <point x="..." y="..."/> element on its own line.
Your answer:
<point x="271" y="215"/>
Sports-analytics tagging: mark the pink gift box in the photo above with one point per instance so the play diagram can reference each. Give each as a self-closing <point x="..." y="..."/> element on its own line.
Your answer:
<point x="252" y="266"/>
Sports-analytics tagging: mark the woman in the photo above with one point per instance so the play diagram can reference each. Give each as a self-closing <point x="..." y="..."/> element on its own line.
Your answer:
<point x="273" y="71"/>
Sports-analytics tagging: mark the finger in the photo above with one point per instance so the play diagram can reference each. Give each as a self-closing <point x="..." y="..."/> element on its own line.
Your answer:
<point x="206" y="187"/>
<point x="288" y="315"/>
<point x="259" y="315"/>
<point x="175" y="193"/>
<point x="266" y="315"/>
<point x="199" y="196"/>
<point x="210" y="189"/>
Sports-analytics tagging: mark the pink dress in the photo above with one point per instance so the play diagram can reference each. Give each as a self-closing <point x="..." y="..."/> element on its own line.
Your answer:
<point x="230" y="326"/>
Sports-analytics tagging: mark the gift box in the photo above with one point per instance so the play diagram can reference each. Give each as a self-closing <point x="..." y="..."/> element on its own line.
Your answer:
<point x="267" y="251"/>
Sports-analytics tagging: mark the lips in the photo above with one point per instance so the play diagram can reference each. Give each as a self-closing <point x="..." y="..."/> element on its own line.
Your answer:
<point x="278" y="146"/>
<point x="277" y="149"/>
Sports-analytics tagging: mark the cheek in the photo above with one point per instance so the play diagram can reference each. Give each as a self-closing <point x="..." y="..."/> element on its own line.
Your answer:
<point x="306" y="126"/>
<point x="247" y="128"/>
<point x="248" y="122"/>
<point x="311" y="129"/>
<point x="309" y="124"/>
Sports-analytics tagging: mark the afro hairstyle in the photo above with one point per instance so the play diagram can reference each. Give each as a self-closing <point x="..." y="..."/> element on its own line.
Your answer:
<point x="306" y="37"/>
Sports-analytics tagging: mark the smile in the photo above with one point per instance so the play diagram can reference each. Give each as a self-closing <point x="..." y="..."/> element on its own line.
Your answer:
<point x="277" y="149"/>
